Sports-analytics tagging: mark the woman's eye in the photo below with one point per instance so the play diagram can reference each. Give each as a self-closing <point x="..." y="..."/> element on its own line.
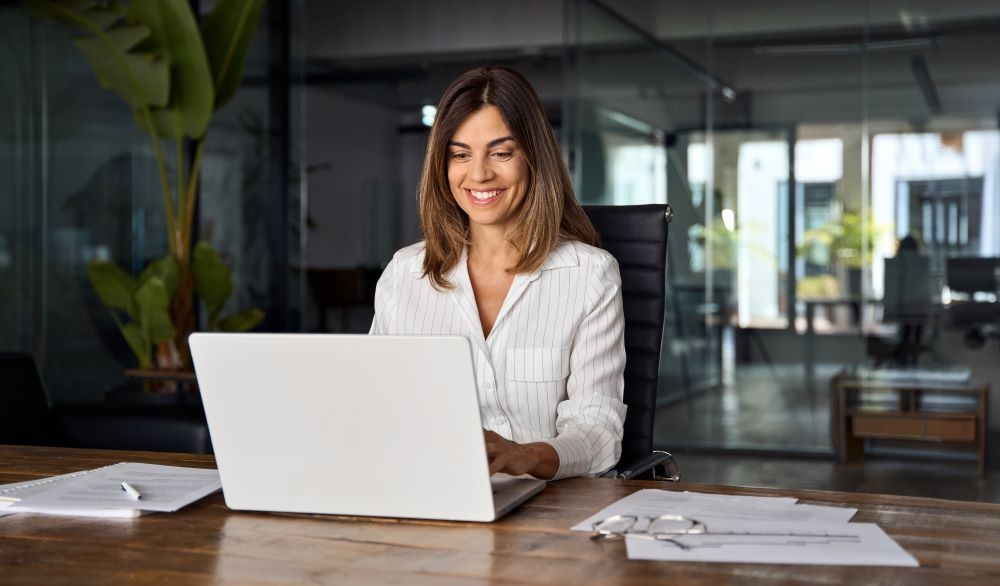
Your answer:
<point x="460" y="156"/>
<point x="503" y="155"/>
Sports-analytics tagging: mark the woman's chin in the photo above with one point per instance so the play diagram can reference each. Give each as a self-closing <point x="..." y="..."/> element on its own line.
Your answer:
<point x="481" y="218"/>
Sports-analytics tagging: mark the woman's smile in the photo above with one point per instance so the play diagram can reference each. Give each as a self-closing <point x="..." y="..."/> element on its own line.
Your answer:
<point x="485" y="197"/>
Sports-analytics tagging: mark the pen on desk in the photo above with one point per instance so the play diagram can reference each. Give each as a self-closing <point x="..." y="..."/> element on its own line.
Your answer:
<point x="132" y="492"/>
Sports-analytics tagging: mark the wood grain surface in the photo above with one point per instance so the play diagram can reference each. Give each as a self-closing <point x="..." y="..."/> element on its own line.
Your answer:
<point x="956" y="542"/>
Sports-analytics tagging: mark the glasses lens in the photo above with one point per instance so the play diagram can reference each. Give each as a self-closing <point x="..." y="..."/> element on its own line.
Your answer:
<point x="670" y="525"/>
<point x="616" y="524"/>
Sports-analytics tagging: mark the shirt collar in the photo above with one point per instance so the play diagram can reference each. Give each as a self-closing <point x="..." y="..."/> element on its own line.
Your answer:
<point x="563" y="255"/>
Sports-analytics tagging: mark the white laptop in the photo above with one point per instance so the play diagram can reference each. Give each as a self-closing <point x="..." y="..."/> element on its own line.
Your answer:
<point x="385" y="426"/>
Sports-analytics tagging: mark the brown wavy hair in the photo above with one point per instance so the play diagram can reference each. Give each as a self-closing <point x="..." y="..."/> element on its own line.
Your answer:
<point x="549" y="210"/>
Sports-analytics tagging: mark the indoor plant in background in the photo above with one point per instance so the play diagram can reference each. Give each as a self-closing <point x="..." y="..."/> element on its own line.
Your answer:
<point x="174" y="75"/>
<point x="849" y="244"/>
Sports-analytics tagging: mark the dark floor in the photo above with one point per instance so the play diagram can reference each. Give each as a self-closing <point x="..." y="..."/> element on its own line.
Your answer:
<point x="900" y="476"/>
<point x="764" y="408"/>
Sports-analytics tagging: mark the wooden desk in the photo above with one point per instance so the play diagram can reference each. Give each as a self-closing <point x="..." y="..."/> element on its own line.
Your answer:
<point x="956" y="542"/>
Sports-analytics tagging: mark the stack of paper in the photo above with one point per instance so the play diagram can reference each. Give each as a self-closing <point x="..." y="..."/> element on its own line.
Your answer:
<point x="752" y="529"/>
<point x="99" y="492"/>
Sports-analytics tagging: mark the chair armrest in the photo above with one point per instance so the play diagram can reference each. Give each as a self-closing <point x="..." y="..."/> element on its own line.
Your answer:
<point x="661" y="464"/>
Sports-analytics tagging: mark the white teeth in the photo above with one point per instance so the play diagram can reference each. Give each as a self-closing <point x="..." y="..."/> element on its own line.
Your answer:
<point x="484" y="195"/>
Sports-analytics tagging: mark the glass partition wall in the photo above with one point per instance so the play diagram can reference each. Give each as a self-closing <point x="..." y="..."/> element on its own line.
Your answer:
<point x="833" y="170"/>
<point x="633" y="105"/>
<point x="81" y="184"/>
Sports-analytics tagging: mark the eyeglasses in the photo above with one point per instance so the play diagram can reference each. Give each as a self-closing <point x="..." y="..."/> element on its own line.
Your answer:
<point x="671" y="528"/>
<point x="662" y="528"/>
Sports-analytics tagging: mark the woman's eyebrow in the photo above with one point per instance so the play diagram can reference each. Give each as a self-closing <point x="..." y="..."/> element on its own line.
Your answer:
<point x="489" y="145"/>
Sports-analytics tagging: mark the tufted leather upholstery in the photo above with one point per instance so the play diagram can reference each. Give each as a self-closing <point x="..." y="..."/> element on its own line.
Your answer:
<point x="637" y="237"/>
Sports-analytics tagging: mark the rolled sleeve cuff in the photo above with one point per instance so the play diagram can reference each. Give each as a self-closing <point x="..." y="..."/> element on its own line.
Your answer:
<point x="575" y="456"/>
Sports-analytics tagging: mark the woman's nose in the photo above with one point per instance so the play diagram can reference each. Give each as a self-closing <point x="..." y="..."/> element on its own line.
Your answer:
<point x="481" y="170"/>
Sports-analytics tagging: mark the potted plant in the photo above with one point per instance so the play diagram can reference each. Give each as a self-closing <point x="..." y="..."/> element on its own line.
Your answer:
<point x="846" y="241"/>
<point x="174" y="75"/>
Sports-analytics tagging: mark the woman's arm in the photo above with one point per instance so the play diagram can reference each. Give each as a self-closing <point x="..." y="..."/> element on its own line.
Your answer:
<point x="591" y="421"/>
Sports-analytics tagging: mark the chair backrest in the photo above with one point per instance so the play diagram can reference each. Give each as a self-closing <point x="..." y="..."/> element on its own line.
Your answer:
<point x="907" y="284"/>
<point x="637" y="237"/>
<point x="25" y="417"/>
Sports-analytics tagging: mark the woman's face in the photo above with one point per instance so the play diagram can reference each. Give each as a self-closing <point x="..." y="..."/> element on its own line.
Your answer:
<point x="486" y="170"/>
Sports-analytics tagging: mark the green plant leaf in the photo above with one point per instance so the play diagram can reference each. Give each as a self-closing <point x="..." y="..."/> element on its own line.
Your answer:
<point x="153" y="303"/>
<point x="138" y="342"/>
<point x="166" y="269"/>
<point x="105" y="14"/>
<point x="175" y="34"/>
<point x="162" y="119"/>
<point x="125" y="38"/>
<point x="227" y="32"/>
<point x="114" y="287"/>
<point x="116" y="69"/>
<point x="243" y="321"/>
<point x="212" y="280"/>
<point x="114" y="49"/>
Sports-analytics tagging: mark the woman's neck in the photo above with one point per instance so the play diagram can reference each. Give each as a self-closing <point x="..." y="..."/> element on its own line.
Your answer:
<point x="489" y="247"/>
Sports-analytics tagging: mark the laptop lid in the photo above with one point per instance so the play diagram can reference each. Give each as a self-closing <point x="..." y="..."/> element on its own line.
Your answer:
<point x="346" y="424"/>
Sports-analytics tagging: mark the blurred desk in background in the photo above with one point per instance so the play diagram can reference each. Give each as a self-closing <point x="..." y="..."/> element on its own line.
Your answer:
<point x="921" y="409"/>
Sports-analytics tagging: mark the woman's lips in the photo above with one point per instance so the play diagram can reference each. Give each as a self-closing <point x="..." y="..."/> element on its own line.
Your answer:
<point x="484" y="197"/>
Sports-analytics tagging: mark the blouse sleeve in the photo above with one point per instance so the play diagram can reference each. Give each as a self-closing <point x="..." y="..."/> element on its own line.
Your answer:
<point x="385" y="301"/>
<point x="590" y="422"/>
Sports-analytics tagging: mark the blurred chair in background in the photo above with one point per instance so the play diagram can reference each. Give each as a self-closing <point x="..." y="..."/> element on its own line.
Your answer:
<point x="27" y="418"/>
<point x="341" y="290"/>
<point x="909" y="300"/>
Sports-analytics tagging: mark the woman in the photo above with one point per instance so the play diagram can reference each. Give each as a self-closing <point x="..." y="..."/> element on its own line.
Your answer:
<point x="510" y="262"/>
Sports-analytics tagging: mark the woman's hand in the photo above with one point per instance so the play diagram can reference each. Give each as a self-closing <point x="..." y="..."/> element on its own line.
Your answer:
<point x="538" y="459"/>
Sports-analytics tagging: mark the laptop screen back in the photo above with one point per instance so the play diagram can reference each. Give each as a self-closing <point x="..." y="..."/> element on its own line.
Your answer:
<point x="345" y="424"/>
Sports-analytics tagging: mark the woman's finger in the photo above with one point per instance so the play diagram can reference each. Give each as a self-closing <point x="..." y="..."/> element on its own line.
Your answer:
<point x="497" y="464"/>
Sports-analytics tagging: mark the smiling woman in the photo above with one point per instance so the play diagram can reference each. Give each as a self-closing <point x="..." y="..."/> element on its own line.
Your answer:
<point x="510" y="261"/>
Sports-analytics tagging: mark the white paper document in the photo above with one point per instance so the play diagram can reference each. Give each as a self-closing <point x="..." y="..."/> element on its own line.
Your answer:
<point x="711" y="508"/>
<point x="12" y="493"/>
<point x="846" y="544"/>
<point x="99" y="492"/>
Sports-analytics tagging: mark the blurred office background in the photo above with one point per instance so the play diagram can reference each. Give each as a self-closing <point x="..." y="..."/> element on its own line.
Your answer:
<point x="799" y="144"/>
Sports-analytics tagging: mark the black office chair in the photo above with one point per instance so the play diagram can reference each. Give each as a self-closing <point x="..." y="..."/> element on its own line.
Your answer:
<point x="637" y="237"/>
<point x="26" y="418"/>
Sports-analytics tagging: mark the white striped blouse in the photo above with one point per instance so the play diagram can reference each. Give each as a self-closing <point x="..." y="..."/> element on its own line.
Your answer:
<point x="552" y="368"/>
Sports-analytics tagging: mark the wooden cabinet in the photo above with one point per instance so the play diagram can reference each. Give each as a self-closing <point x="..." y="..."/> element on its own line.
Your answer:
<point x="911" y="409"/>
